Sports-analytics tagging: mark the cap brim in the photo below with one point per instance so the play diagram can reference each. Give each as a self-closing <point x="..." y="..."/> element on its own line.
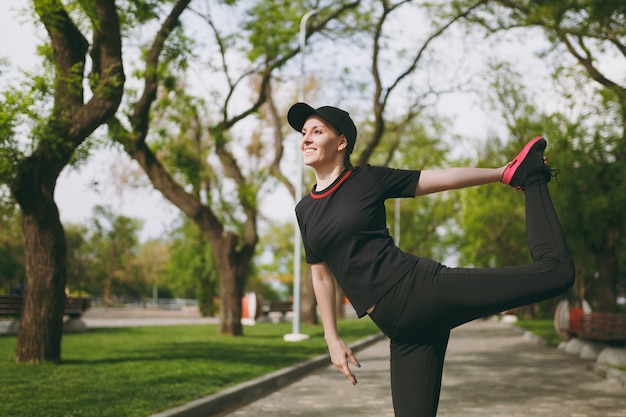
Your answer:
<point x="297" y="115"/>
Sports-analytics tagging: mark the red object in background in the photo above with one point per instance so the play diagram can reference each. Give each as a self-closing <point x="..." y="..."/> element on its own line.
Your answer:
<point x="575" y="319"/>
<point x="251" y="306"/>
<point x="568" y="317"/>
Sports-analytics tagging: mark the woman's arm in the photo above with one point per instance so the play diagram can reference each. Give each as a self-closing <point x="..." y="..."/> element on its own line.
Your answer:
<point x="324" y="288"/>
<point x="433" y="181"/>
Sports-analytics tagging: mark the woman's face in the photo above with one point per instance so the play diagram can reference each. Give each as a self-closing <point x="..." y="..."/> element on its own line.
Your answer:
<point x="321" y="145"/>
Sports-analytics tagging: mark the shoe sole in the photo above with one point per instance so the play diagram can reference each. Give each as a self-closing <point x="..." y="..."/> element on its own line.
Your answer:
<point x="511" y="168"/>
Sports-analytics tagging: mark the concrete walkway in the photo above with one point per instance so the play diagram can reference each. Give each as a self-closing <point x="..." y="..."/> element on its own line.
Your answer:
<point x="97" y="317"/>
<point x="136" y="317"/>
<point x="492" y="370"/>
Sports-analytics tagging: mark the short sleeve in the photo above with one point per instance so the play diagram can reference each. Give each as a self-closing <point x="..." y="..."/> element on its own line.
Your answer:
<point x="396" y="183"/>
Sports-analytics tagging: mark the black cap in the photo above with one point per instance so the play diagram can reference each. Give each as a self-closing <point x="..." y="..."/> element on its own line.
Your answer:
<point x="340" y="119"/>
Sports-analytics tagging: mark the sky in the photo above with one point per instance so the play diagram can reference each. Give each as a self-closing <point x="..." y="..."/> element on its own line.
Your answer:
<point x="78" y="191"/>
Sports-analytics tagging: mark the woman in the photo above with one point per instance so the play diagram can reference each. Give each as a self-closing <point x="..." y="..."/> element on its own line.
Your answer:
<point x="415" y="301"/>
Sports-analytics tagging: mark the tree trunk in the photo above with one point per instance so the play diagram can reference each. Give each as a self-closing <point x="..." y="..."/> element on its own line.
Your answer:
<point x="230" y="303"/>
<point x="71" y="122"/>
<point x="231" y="278"/>
<point x="232" y="257"/>
<point x="41" y="322"/>
<point x="607" y="271"/>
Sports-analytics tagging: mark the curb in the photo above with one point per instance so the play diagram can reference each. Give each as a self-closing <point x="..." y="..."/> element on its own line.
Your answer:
<point x="609" y="373"/>
<point x="604" y="371"/>
<point x="248" y="391"/>
<point x="529" y="336"/>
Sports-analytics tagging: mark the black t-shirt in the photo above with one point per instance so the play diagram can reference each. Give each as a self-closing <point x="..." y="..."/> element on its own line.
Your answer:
<point x="345" y="226"/>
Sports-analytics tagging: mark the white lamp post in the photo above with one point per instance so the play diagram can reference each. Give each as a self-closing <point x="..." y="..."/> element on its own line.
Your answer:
<point x="295" y="335"/>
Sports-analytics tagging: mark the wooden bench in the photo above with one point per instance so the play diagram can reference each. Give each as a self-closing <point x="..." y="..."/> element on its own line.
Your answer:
<point x="604" y="327"/>
<point x="279" y="307"/>
<point x="11" y="306"/>
<point x="283" y="307"/>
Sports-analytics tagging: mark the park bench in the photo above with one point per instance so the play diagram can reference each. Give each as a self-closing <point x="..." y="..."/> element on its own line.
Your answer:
<point x="11" y="306"/>
<point x="283" y="307"/>
<point x="276" y="310"/>
<point x="603" y="327"/>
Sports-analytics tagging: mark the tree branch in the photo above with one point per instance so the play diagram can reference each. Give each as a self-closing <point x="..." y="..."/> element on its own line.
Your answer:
<point x="586" y="61"/>
<point x="613" y="38"/>
<point x="140" y="117"/>
<point x="381" y="95"/>
<point x="107" y="76"/>
<point x="70" y="48"/>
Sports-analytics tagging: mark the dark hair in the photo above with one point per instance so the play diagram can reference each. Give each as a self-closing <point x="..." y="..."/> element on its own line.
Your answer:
<point x="346" y="161"/>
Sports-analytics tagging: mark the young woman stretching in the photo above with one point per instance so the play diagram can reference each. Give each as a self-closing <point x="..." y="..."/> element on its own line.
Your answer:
<point x="415" y="301"/>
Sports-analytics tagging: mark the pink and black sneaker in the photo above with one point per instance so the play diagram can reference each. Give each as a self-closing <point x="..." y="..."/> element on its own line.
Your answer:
<point x="528" y="162"/>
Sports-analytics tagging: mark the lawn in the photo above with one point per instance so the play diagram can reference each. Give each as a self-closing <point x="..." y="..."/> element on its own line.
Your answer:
<point x="542" y="328"/>
<point x="140" y="371"/>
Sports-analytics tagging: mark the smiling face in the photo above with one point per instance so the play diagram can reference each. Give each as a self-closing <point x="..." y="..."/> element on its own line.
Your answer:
<point x="322" y="147"/>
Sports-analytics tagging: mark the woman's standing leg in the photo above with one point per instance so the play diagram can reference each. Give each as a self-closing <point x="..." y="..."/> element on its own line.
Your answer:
<point x="418" y="347"/>
<point x="416" y="372"/>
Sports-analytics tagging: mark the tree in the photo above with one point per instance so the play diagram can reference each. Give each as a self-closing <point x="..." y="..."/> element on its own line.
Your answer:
<point x="277" y="248"/>
<point x="106" y="258"/>
<point x="588" y="30"/>
<point x="397" y="79"/>
<point x="147" y="268"/>
<point x="492" y="221"/>
<point x="197" y="186"/>
<point x="191" y="271"/>
<point x="593" y="33"/>
<point x="593" y="192"/>
<point x="586" y="204"/>
<point x="114" y="243"/>
<point x="80" y="261"/>
<point x="12" y="269"/>
<point x="35" y="161"/>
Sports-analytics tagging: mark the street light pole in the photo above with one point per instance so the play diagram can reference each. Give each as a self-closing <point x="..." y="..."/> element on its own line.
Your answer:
<point x="295" y="335"/>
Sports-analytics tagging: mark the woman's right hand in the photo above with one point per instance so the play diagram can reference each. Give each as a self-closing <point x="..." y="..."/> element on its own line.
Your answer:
<point x="340" y="354"/>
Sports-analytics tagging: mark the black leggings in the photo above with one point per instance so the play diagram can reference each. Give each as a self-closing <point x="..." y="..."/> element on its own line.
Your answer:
<point x="418" y="313"/>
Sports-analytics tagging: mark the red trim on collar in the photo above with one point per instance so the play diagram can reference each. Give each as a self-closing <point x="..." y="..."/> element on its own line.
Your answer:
<point x="333" y="188"/>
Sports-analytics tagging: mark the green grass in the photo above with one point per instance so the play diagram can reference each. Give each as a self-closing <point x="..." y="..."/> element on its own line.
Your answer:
<point x="542" y="328"/>
<point x="143" y="370"/>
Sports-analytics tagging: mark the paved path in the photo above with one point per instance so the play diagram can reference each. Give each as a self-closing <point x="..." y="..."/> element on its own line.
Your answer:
<point x="492" y="370"/>
<point x="133" y="317"/>
<point x="125" y="317"/>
